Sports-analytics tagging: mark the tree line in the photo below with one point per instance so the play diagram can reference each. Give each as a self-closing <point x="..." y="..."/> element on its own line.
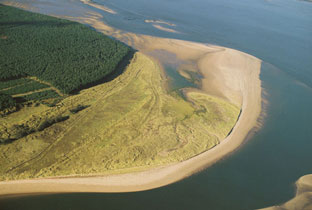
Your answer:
<point x="67" y="54"/>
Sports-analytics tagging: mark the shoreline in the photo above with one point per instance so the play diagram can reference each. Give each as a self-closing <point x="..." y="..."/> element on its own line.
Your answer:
<point x="233" y="73"/>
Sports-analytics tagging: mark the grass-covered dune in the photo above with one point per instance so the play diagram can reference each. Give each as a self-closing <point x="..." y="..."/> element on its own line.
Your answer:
<point x="128" y="123"/>
<point x="131" y="123"/>
<point x="66" y="54"/>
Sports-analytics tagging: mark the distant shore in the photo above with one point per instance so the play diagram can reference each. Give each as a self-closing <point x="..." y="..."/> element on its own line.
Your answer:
<point x="227" y="73"/>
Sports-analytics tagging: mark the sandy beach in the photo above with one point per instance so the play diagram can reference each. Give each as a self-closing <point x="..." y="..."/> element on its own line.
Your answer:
<point x="227" y="73"/>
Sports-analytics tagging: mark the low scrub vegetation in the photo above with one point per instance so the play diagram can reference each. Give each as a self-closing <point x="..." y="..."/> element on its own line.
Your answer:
<point x="17" y="131"/>
<point x="78" y="109"/>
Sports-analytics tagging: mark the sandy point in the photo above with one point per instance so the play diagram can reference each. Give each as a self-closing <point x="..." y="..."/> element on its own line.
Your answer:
<point x="239" y="82"/>
<point x="227" y="73"/>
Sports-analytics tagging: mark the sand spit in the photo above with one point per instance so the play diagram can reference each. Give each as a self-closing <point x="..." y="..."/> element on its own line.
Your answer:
<point x="24" y="6"/>
<point x="246" y="81"/>
<point x="227" y="73"/>
<point x="100" y="7"/>
<point x="165" y="29"/>
<point x="159" y="22"/>
<point x="303" y="198"/>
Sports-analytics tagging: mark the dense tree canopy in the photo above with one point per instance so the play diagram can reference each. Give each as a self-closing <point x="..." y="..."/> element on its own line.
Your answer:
<point x="24" y="88"/>
<point x="66" y="54"/>
<point x="6" y="101"/>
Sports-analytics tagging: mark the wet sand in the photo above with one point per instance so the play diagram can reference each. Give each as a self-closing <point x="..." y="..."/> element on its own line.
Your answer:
<point x="226" y="73"/>
<point x="100" y="7"/>
<point x="162" y="28"/>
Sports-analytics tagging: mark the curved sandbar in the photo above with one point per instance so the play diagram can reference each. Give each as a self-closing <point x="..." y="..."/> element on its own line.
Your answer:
<point x="227" y="73"/>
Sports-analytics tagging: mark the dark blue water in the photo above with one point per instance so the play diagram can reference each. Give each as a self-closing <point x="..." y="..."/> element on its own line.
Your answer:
<point x="263" y="171"/>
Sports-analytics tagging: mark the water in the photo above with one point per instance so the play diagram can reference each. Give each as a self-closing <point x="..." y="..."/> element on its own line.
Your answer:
<point x="263" y="171"/>
<point x="277" y="31"/>
<point x="177" y="82"/>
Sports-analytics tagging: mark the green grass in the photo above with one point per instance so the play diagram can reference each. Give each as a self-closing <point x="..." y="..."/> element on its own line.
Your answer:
<point x="127" y="124"/>
<point x="67" y="54"/>
<point x="131" y="124"/>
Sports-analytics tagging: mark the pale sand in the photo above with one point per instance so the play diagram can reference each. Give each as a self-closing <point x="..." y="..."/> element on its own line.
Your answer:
<point x="303" y="198"/>
<point x="100" y="7"/>
<point x="160" y="22"/>
<point x="159" y="27"/>
<point x="19" y="5"/>
<point x="227" y="73"/>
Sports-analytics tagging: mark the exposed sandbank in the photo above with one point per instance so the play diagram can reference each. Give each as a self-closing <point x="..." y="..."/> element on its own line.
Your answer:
<point x="159" y="22"/>
<point x="303" y="198"/>
<point x="165" y="29"/>
<point x="18" y="5"/>
<point x="100" y="7"/>
<point x="227" y="73"/>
